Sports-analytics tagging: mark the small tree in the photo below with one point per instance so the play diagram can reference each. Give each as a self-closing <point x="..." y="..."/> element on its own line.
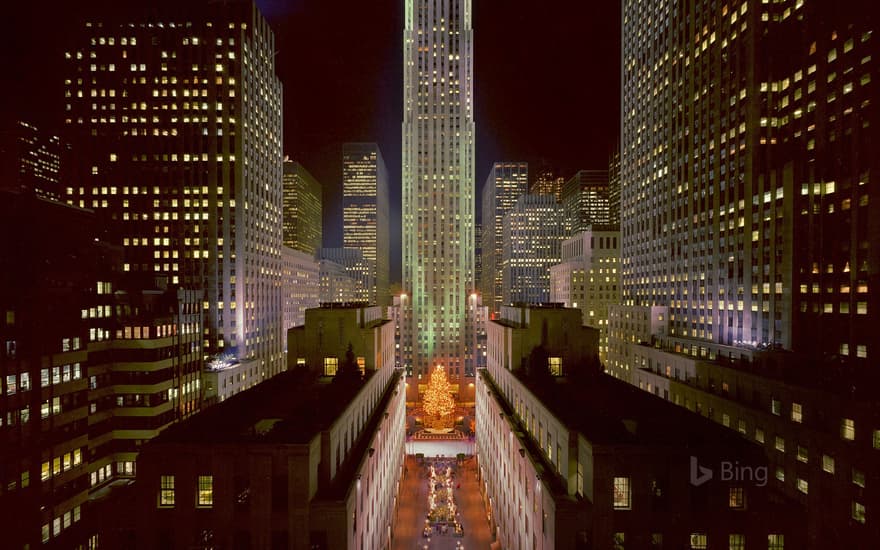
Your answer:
<point x="348" y="372"/>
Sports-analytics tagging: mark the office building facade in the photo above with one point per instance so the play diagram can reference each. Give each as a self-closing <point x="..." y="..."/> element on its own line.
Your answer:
<point x="533" y="232"/>
<point x="507" y="181"/>
<point x="585" y="199"/>
<point x="365" y="213"/>
<point x="438" y="180"/>
<point x="303" y="223"/>
<point x="176" y="113"/>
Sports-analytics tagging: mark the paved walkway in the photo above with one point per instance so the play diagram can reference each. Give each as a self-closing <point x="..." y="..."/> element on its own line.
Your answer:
<point x="414" y="509"/>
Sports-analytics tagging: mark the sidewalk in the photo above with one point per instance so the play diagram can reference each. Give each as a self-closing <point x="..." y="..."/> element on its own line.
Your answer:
<point x="414" y="509"/>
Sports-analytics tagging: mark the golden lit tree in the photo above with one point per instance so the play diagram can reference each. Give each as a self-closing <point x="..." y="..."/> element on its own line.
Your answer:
<point x="438" y="401"/>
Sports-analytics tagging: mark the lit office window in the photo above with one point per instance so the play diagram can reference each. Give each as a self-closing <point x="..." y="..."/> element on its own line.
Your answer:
<point x="555" y="364"/>
<point x="622" y="493"/>
<point x="330" y="366"/>
<point x="206" y="491"/>
<point x="166" y="492"/>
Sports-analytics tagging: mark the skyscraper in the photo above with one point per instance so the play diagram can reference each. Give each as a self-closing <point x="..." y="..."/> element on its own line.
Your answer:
<point x="532" y="237"/>
<point x="438" y="179"/>
<point x="585" y="198"/>
<point x="30" y="160"/>
<point x="548" y="182"/>
<point x="365" y="212"/>
<point x="506" y="182"/>
<point x="303" y="225"/>
<point x="748" y="164"/>
<point x="176" y="111"/>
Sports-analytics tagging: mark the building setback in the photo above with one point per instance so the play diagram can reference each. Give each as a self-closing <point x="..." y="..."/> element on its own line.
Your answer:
<point x="748" y="163"/>
<point x="506" y="183"/>
<point x="303" y="224"/>
<point x="365" y="213"/>
<point x="175" y="112"/>
<point x="533" y="232"/>
<point x="438" y="180"/>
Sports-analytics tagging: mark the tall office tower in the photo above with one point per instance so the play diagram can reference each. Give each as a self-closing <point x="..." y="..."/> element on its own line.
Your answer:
<point x="177" y="113"/>
<point x="585" y="198"/>
<point x="302" y="209"/>
<point x="614" y="187"/>
<point x="507" y="181"/>
<point x="548" y="182"/>
<point x="438" y="179"/>
<point x="358" y="268"/>
<point x="365" y="212"/>
<point x="588" y="277"/>
<point x="532" y="239"/>
<point x="478" y="255"/>
<point x="30" y="160"/>
<point x="748" y="164"/>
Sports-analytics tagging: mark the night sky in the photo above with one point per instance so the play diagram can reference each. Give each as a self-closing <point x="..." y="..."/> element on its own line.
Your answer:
<point x="547" y="83"/>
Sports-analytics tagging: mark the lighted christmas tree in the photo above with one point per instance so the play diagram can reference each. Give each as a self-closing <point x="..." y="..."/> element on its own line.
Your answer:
<point x="438" y="401"/>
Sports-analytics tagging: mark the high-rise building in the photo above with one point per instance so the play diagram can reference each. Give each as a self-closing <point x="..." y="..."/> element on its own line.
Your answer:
<point x="532" y="239"/>
<point x="614" y="186"/>
<point x="336" y="284"/>
<point x="357" y="267"/>
<point x="438" y="179"/>
<point x="548" y="182"/>
<point x="507" y="181"/>
<point x="176" y="113"/>
<point x="303" y="225"/>
<point x="585" y="198"/>
<point x="588" y="278"/>
<point x="300" y="283"/>
<point x="365" y="212"/>
<point x="30" y="160"/>
<point x="748" y="164"/>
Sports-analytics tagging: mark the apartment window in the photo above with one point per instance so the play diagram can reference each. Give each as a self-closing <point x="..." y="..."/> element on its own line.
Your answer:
<point x="827" y="464"/>
<point x="619" y="541"/>
<point x="330" y="366"/>
<point x="555" y="364"/>
<point x="797" y="413"/>
<point x="622" y="493"/>
<point x="725" y="420"/>
<point x="741" y="426"/>
<point x="206" y="491"/>
<point x="780" y="473"/>
<point x="858" y="512"/>
<point x="803" y="486"/>
<point x="759" y="435"/>
<point x="847" y="429"/>
<point x="736" y="498"/>
<point x="580" y="479"/>
<point x="362" y="365"/>
<point x="166" y="492"/>
<point x="699" y="541"/>
<point x="858" y="478"/>
<point x="736" y="542"/>
<point x="775" y="542"/>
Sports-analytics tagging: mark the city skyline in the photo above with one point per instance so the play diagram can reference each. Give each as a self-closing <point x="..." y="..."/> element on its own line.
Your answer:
<point x="553" y="121"/>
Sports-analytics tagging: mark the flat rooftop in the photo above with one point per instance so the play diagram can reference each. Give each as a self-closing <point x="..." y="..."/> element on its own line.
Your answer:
<point x="289" y="408"/>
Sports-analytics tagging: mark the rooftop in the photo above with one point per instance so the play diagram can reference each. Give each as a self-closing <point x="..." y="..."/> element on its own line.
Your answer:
<point x="290" y="408"/>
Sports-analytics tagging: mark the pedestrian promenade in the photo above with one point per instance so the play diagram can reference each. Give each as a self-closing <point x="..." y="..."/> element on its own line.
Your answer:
<point x="413" y="510"/>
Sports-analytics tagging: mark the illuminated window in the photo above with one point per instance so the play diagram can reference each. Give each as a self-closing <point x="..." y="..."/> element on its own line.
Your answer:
<point x="206" y="491"/>
<point x="803" y="486"/>
<point x="775" y="542"/>
<point x="362" y="365"/>
<point x="622" y="493"/>
<point x="847" y="429"/>
<point x="797" y="413"/>
<point x="166" y="492"/>
<point x="736" y="542"/>
<point x="736" y="498"/>
<point x="555" y="364"/>
<point x="330" y="366"/>
<point x="699" y="541"/>
<point x="858" y="512"/>
<point x="827" y="464"/>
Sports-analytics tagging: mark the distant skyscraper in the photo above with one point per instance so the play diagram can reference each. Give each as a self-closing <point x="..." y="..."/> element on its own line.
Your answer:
<point x="614" y="187"/>
<point x="302" y="209"/>
<point x="365" y="212"/>
<point x="548" y="182"/>
<point x="30" y="160"/>
<point x="357" y="267"/>
<point x="438" y="179"/>
<point x="532" y="239"/>
<point x="176" y="113"/>
<point x="507" y="181"/>
<point x="585" y="198"/>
